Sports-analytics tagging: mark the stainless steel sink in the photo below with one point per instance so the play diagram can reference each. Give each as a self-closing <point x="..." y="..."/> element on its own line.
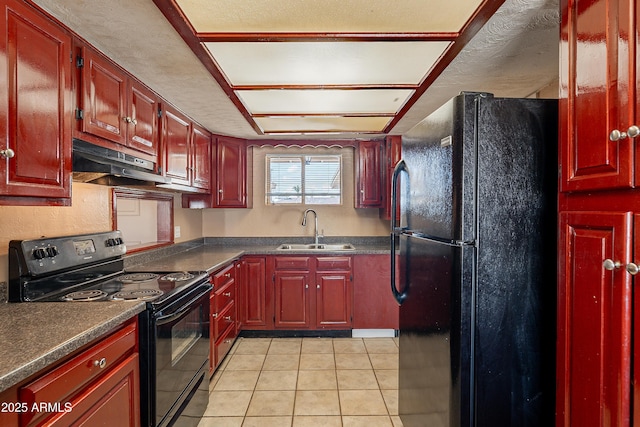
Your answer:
<point x="316" y="247"/>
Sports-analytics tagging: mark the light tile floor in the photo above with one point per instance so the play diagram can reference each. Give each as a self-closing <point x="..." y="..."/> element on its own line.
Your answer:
<point x="306" y="382"/>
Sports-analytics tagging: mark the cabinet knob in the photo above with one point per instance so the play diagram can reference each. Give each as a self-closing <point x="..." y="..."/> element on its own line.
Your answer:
<point x="610" y="265"/>
<point x="633" y="131"/>
<point x="317" y="286"/>
<point x="7" y="153"/>
<point x="220" y="191"/>
<point x="616" y="135"/>
<point x="227" y="318"/>
<point x="127" y="119"/>
<point x="632" y="268"/>
<point x="306" y="286"/>
<point x="100" y="363"/>
<point x="214" y="315"/>
<point x="134" y="121"/>
<point x="227" y="294"/>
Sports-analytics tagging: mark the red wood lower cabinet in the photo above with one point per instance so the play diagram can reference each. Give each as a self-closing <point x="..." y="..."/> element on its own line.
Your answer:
<point x="292" y="300"/>
<point x="255" y="310"/>
<point x="373" y="304"/>
<point x="98" y="385"/>
<point x="594" y="320"/>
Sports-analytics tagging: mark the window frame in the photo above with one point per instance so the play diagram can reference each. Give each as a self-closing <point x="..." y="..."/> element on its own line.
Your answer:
<point x="164" y="230"/>
<point x="303" y="194"/>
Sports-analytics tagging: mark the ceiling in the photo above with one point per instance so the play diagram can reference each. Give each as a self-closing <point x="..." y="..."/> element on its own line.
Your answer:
<point x="321" y="69"/>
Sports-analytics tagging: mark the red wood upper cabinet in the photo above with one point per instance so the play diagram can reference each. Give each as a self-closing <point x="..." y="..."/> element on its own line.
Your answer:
<point x="35" y="108"/>
<point x="231" y="174"/>
<point x="369" y="174"/>
<point x="186" y="150"/>
<point x="176" y="133"/>
<point x="200" y="158"/>
<point x="594" y="320"/>
<point x="597" y="94"/>
<point x="392" y="155"/>
<point x="115" y="106"/>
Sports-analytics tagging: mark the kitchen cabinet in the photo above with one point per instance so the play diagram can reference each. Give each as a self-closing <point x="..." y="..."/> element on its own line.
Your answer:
<point x="186" y="149"/>
<point x="598" y="324"/>
<point x="594" y="319"/>
<point x="373" y="304"/>
<point x="100" y="382"/>
<point x="115" y="106"/>
<point x="312" y="292"/>
<point x="255" y="297"/>
<point x="224" y="326"/>
<point x="598" y="106"/>
<point x="35" y="108"/>
<point x="231" y="174"/>
<point x="393" y="154"/>
<point x="232" y="177"/>
<point x="369" y="174"/>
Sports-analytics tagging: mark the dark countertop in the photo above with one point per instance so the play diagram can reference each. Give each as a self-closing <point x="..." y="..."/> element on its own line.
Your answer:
<point x="213" y="254"/>
<point x="35" y="335"/>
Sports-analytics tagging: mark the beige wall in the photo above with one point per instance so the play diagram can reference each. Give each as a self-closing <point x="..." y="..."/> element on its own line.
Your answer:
<point x="275" y="221"/>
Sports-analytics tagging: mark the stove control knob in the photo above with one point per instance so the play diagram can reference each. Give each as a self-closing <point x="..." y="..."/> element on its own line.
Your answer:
<point x="111" y="242"/>
<point x="52" y="251"/>
<point x="119" y="241"/>
<point x="39" y="253"/>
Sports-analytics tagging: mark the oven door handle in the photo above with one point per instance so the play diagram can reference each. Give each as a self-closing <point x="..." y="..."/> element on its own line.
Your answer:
<point x="163" y="320"/>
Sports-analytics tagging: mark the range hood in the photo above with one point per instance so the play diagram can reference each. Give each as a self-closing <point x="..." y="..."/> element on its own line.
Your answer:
<point x="99" y="165"/>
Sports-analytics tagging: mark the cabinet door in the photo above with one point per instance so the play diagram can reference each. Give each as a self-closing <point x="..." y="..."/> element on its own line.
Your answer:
<point x="142" y="119"/>
<point x="35" y="104"/>
<point x="116" y="398"/>
<point x="292" y="304"/>
<point x="104" y="98"/>
<point x="231" y="173"/>
<point x="594" y="320"/>
<point x="369" y="175"/>
<point x="201" y="158"/>
<point x="253" y="306"/>
<point x="176" y="130"/>
<point x="373" y="305"/>
<point x="597" y="94"/>
<point x="333" y="300"/>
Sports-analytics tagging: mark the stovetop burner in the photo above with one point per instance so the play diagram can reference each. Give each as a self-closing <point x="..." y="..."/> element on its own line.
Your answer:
<point x="136" y="294"/>
<point x="85" y="295"/>
<point x="137" y="277"/>
<point x="177" y="276"/>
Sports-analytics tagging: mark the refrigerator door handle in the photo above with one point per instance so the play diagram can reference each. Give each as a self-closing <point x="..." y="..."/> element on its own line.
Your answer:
<point x="395" y="230"/>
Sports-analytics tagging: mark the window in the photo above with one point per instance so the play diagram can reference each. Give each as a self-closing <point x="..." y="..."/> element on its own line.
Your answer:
<point x="304" y="179"/>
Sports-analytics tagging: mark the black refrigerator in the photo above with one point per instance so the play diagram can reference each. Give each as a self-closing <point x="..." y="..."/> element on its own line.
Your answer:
<point x="474" y="264"/>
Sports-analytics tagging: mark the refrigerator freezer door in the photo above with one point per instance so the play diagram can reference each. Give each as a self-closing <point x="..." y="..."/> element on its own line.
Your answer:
<point x="435" y="334"/>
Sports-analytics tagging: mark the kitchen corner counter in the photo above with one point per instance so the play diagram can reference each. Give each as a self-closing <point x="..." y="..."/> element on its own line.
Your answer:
<point x="34" y="336"/>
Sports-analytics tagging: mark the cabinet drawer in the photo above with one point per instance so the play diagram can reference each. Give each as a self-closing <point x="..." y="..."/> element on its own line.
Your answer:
<point x="292" y="263"/>
<point x="223" y="319"/>
<point x="224" y="344"/>
<point x="223" y="276"/>
<point x="62" y="382"/>
<point x="333" y="263"/>
<point x="224" y="296"/>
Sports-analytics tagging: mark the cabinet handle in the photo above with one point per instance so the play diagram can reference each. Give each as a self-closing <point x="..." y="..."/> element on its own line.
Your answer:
<point x="127" y="119"/>
<point x="632" y="268"/>
<point x="220" y="191"/>
<point x="227" y="318"/>
<point x="100" y="363"/>
<point x="306" y="286"/>
<point x="633" y="131"/>
<point x="227" y="341"/>
<point x="7" y="153"/>
<point x="317" y="286"/>
<point x="610" y="265"/>
<point x="227" y="275"/>
<point x="134" y="121"/>
<point x="214" y="315"/>
<point x="227" y="294"/>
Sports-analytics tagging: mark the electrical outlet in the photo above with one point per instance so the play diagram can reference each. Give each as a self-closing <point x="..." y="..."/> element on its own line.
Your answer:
<point x="176" y="231"/>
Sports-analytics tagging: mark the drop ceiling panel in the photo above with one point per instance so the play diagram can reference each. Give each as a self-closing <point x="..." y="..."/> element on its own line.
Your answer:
<point x="327" y="101"/>
<point x="326" y="63"/>
<point x="323" y="124"/>
<point x="318" y="16"/>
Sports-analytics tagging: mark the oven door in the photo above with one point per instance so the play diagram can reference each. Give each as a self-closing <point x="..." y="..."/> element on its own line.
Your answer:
<point x="182" y="359"/>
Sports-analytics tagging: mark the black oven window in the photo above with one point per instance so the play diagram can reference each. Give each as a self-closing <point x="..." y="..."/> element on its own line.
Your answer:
<point x="185" y="334"/>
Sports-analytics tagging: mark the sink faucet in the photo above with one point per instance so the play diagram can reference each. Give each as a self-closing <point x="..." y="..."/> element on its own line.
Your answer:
<point x="304" y="222"/>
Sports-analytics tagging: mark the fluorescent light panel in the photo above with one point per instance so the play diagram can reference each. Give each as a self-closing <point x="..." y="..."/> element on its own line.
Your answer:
<point x="326" y="63"/>
<point x="321" y="124"/>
